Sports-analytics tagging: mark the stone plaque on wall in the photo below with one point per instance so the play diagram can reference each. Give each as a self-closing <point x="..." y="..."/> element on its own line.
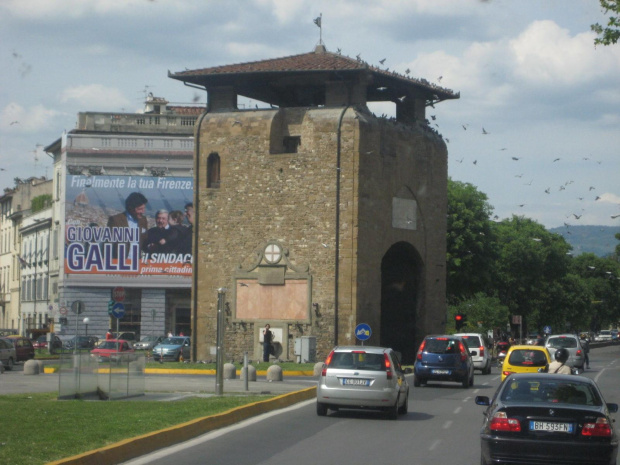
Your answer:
<point x="404" y="213"/>
<point x="272" y="302"/>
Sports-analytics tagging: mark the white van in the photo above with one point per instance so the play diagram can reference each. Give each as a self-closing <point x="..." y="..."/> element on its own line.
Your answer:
<point x="480" y="350"/>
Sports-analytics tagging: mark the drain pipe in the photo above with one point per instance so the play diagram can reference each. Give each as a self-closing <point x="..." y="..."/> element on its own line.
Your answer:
<point x="196" y="200"/>
<point x="337" y="246"/>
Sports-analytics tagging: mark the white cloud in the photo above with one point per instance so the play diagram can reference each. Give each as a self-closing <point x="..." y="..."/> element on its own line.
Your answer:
<point x="95" y="96"/>
<point x="28" y="9"/>
<point x="608" y="197"/>
<point x="546" y="54"/>
<point x="14" y="117"/>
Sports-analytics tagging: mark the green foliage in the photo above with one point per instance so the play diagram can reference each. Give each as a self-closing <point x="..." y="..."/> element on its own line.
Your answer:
<point x="471" y="250"/>
<point x="608" y="35"/>
<point x="41" y="202"/>
<point x="484" y="313"/>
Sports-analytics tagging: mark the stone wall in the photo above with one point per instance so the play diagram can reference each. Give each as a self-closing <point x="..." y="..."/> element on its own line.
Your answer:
<point x="291" y="198"/>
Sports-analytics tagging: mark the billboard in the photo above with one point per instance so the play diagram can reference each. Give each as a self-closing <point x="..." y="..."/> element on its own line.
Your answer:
<point x="128" y="225"/>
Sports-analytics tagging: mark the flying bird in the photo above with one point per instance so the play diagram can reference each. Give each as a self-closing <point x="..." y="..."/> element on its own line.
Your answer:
<point x="402" y="99"/>
<point x="613" y="217"/>
<point x="515" y="158"/>
<point x="324" y="245"/>
<point x="557" y="159"/>
<point x="459" y="161"/>
<point x="439" y="78"/>
<point x="475" y="162"/>
<point x="464" y="126"/>
<point x="597" y="198"/>
<point x="576" y="216"/>
<point x="382" y="61"/>
<point x="243" y="285"/>
<point x="592" y="188"/>
<point x="547" y="190"/>
<point x="484" y="131"/>
<point x="407" y="71"/>
<point x="381" y="89"/>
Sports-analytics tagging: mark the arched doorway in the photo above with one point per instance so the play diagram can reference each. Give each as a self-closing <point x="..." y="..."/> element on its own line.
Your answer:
<point x="401" y="292"/>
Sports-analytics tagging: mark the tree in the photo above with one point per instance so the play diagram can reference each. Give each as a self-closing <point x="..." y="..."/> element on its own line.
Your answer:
<point x="471" y="250"/>
<point x="484" y="313"/>
<point x="610" y="34"/>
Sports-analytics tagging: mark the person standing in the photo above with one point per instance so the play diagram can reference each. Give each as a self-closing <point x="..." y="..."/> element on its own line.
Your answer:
<point x="585" y="345"/>
<point x="267" y="338"/>
<point x="109" y="335"/>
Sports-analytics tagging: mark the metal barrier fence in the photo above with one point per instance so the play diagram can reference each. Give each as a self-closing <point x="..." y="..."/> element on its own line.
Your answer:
<point x="83" y="376"/>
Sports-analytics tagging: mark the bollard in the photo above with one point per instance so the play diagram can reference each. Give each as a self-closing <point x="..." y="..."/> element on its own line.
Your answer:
<point x="31" y="367"/>
<point x="318" y="367"/>
<point x="251" y="374"/>
<point x="274" y="373"/>
<point x="230" y="371"/>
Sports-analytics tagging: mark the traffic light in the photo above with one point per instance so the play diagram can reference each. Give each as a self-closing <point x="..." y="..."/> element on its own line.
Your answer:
<point x="459" y="320"/>
<point x="110" y="306"/>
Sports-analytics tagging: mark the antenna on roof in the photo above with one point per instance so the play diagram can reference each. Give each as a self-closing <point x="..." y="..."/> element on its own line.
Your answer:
<point x="318" y="21"/>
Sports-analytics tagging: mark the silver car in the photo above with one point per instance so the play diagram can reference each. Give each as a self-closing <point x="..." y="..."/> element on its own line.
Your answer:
<point x="569" y="342"/>
<point x="363" y="377"/>
<point x="148" y="342"/>
<point x="8" y="356"/>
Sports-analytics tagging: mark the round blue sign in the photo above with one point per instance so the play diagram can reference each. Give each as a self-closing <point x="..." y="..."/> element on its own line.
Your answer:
<point x="118" y="310"/>
<point x="547" y="329"/>
<point x="363" y="332"/>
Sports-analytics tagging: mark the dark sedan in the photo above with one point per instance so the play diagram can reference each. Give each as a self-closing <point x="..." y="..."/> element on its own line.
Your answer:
<point x="548" y="418"/>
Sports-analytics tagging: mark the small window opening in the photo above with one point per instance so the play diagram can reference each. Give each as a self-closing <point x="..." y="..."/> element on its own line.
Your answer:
<point x="291" y="143"/>
<point x="213" y="171"/>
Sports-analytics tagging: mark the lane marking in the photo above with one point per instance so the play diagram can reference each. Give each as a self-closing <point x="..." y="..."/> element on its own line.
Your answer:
<point x="457" y="410"/>
<point x="434" y="445"/>
<point x="447" y="424"/>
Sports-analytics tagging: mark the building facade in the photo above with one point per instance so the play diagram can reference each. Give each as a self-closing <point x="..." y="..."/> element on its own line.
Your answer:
<point x="19" y="205"/>
<point x="123" y="265"/>
<point x="314" y="215"/>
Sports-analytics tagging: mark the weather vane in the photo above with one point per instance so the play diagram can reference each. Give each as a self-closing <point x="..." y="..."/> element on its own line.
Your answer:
<point x="317" y="21"/>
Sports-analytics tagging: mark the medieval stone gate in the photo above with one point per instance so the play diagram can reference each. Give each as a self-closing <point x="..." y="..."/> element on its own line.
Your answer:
<point x="314" y="213"/>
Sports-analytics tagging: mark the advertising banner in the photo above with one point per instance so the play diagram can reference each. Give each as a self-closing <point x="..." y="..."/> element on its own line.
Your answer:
<point x="128" y="225"/>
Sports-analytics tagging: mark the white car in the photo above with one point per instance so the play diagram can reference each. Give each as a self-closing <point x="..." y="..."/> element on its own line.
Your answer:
<point x="363" y="377"/>
<point x="480" y="349"/>
<point x="603" y="335"/>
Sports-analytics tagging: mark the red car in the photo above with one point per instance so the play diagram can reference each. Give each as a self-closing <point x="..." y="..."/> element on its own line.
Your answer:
<point x="23" y="348"/>
<point x="112" y="349"/>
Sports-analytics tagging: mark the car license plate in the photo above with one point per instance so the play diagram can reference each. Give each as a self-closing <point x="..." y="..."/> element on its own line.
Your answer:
<point x="355" y="382"/>
<point x="551" y="427"/>
<point x="441" y="372"/>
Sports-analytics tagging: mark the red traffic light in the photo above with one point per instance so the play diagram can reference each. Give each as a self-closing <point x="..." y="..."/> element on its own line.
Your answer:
<point x="458" y="317"/>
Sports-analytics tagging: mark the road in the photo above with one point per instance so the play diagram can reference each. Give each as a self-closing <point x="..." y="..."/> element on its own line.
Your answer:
<point x="442" y="427"/>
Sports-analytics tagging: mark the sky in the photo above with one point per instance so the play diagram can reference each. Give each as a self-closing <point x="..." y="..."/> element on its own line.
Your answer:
<point x="536" y="128"/>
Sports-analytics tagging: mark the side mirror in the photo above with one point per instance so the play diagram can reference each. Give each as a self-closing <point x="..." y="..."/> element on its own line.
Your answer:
<point x="613" y="408"/>
<point x="482" y="400"/>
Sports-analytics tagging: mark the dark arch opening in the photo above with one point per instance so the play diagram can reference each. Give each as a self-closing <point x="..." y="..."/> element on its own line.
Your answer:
<point x="401" y="293"/>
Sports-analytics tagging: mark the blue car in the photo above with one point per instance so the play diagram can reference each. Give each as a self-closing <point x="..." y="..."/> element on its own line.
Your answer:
<point x="172" y="349"/>
<point x="443" y="358"/>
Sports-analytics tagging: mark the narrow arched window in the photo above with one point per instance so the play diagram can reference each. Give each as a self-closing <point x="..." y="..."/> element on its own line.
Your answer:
<point x="213" y="171"/>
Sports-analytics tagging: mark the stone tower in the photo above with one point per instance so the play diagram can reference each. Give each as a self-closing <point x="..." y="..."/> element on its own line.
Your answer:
<point x="315" y="214"/>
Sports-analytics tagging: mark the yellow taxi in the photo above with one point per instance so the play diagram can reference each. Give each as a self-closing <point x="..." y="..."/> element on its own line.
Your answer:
<point x="525" y="359"/>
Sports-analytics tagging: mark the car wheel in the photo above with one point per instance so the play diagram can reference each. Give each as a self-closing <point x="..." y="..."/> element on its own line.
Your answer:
<point x="178" y="358"/>
<point x="321" y="409"/>
<point x="405" y="407"/>
<point x="482" y="461"/>
<point x="487" y="369"/>
<point x="465" y="382"/>
<point x="416" y="381"/>
<point x="471" y="381"/>
<point x="392" y="413"/>
<point x="10" y="365"/>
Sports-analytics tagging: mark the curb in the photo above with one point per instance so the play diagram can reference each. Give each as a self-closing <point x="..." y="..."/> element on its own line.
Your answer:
<point x="128" y="449"/>
<point x="163" y="371"/>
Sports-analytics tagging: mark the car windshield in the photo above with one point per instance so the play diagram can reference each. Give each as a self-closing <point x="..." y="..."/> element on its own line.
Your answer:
<point x="562" y="342"/>
<point x="551" y="392"/>
<point x="109" y="345"/>
<point x="174" y="341"/>
<point x="527" y="358"/>
<point x="604" y="332"/>
<point x="357" y="360"/>
<point x="148" y="338"/>
<point x="473" y="342"/>
<point x="441" y="345"/>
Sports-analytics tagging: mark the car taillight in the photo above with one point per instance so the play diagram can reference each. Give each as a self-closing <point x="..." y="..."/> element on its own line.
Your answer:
<point x="578" y="352"/>
<point x="506" y="373"/>
<point x="463" y="352"/>
<point x="481" y="351"/>
<point x="388" y="366"/>
<point x="328" y="360"/>
<point x="601" y="428"/>
<point x="420" y="350"/>
<point x="501" y="422"/>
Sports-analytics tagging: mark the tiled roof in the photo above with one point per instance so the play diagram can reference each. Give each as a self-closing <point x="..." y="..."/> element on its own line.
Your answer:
<point x="319" y="60"/>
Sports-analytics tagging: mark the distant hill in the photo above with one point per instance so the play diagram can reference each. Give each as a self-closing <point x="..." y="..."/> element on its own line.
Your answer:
<point x="598" y="240"/>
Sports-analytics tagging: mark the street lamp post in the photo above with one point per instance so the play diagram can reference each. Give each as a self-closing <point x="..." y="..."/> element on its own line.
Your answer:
<point x="86" y="321"/>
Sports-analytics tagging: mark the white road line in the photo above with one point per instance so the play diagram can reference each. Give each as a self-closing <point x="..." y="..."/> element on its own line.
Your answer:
<point x="447" y="424"/>
<point x="435" y="444"/>
<point x="458" y="410"/>
<point x="466" y="399"/>
<point x="476" y="391"/>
